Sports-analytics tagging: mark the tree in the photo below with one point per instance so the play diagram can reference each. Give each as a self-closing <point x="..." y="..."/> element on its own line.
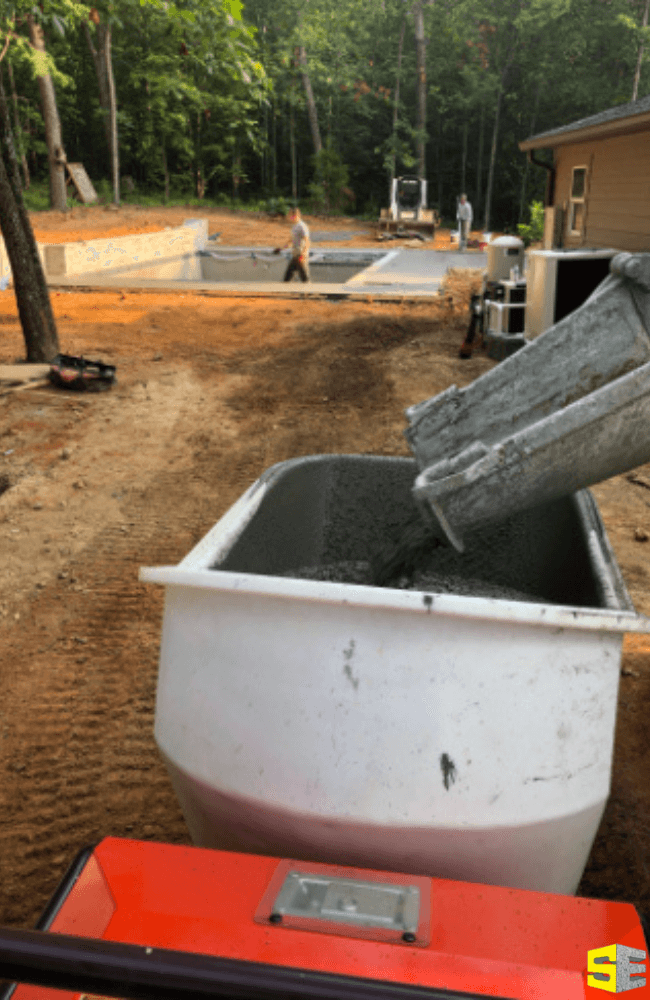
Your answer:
<point x="311" y="103"/>
<point x="18" y="127"/>
<point x="103" y="60"/>
<point x="58" y="195"/>
<point x="393" y="153"/>
<point x="641" y="36"/>
<point x="32" y="296"/>
<point x="420" y="48"/>
<point x="639" y="61"/>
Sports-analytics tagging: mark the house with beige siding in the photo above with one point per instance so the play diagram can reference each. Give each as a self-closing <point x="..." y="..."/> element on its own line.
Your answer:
<point x="598" y="186"/>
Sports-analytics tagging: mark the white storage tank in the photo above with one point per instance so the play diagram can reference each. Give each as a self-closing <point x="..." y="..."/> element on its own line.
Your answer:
<point x="466" y="737"/>
<point x="504" y="253"/>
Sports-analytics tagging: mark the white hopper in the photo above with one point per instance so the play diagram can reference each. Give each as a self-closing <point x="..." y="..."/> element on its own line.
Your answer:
<point x="457" y="736"/>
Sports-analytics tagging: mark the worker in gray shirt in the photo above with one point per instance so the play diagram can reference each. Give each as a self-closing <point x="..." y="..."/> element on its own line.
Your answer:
<point x="464" y="218"/>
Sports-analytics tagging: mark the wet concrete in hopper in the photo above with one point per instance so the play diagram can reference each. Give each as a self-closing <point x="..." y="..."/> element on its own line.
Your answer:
<point x="429" y="580"/>
<point x="327" y="517"/>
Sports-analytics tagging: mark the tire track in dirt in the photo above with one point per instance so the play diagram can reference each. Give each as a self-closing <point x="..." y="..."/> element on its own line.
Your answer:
<point x="88" y="747"/>
<point x="77" y="750"/>
<point x="78" y="705"/>
<point x="82" y="763"/>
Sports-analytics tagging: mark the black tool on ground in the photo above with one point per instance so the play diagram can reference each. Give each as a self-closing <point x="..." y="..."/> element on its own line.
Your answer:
<point x="409" y="234"/>
<point x="69" y="372"/>
<point x="475" y="323"/>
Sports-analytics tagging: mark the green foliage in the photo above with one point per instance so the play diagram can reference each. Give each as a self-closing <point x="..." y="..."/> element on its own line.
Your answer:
<point x="37" y="197"/>
<point x="533" y="232"/>
<point x="277" y="206"/>
<point x="329" y="190"/>
<point x="206" y="90"/>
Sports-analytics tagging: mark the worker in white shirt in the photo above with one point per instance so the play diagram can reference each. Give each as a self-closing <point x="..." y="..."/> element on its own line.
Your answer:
<point x="299" y="244"/>
<point x="464" y="218"/>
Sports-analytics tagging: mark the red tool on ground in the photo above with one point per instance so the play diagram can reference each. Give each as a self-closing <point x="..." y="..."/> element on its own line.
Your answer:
<point x="135" y="919"/>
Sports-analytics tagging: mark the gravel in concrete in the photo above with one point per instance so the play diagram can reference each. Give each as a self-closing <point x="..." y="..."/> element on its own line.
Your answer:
<point x="429" y="580"/>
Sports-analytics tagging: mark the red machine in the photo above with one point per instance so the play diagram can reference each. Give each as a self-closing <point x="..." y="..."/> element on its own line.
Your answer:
<point x="195" y="923"/>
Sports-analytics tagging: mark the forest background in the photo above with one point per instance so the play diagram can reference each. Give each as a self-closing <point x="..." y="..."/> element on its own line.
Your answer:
<point x="314" y="101"/>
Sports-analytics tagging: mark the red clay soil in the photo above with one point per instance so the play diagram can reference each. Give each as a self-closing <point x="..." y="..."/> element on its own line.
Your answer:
<point x="210" y="393"/>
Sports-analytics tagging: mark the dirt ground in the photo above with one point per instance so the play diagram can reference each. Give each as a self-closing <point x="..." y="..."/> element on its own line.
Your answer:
<point x="210" y="393"/>
<point x="234" y="228"/>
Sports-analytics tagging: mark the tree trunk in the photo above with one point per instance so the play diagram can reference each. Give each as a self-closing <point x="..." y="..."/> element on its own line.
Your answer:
<point x="112" y="96"/>
<point x="524" y="179"/>
<point x="236" y="172"/>
<point x="639" y="60"/>
<point x="19" y="127"/>
<point x="440" y="160"/>
<point x="103" y="61"/>
<point x="463" y="167"/>
<point x="165" y="171"/>
<point x="311" y="103"/>
<point x="32" y="296"/>
<point x="265" y="155"/>
<point x="292" y="145"/>
<point x="274" y="161"/>
<point x="97" y="57"/>
<point x="56" y="152"/>
<point x="493" y="151"/>
<point x="420" y="51"/>
<point x="478" y="201"/>
<point x="393" y="162"/>
<point x="198" y="161"/>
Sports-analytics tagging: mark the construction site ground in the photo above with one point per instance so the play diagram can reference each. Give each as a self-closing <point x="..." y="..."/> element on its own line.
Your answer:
<point x="210" y="393"/>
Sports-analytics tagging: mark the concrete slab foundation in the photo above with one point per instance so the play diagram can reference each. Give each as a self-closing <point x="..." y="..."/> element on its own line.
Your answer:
<point x="182" y="259"/>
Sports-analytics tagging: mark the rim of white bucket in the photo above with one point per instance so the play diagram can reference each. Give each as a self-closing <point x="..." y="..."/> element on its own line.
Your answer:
<point x="409" y="601"/>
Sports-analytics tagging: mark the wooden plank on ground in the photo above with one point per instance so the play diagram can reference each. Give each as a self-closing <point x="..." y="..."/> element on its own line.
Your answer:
<point x="9" y="390"/>
<point x="83" y="184"/>
<point x="17" y="374"/>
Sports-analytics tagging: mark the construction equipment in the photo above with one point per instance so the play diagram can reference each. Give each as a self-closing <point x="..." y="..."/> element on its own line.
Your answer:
<point x="568" y="410"/>
<point x="160" y="922"/>
<point x="408" y="208"/>
<point x="70" y="372"/>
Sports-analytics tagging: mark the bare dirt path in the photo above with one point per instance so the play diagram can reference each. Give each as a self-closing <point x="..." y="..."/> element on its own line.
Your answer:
<point x="210" y="393"/>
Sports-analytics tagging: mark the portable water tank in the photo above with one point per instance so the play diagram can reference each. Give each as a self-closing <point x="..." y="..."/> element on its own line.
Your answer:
<point x="504" y="253"/>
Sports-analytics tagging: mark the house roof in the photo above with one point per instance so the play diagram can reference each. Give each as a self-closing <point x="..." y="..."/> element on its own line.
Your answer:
<point x="632" y="117"/>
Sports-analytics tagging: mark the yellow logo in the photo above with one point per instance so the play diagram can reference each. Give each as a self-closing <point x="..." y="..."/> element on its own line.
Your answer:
<point x="615" y="968"/>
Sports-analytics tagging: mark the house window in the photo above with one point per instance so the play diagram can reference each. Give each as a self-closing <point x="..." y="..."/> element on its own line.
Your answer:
<point x="577" y="204"/>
